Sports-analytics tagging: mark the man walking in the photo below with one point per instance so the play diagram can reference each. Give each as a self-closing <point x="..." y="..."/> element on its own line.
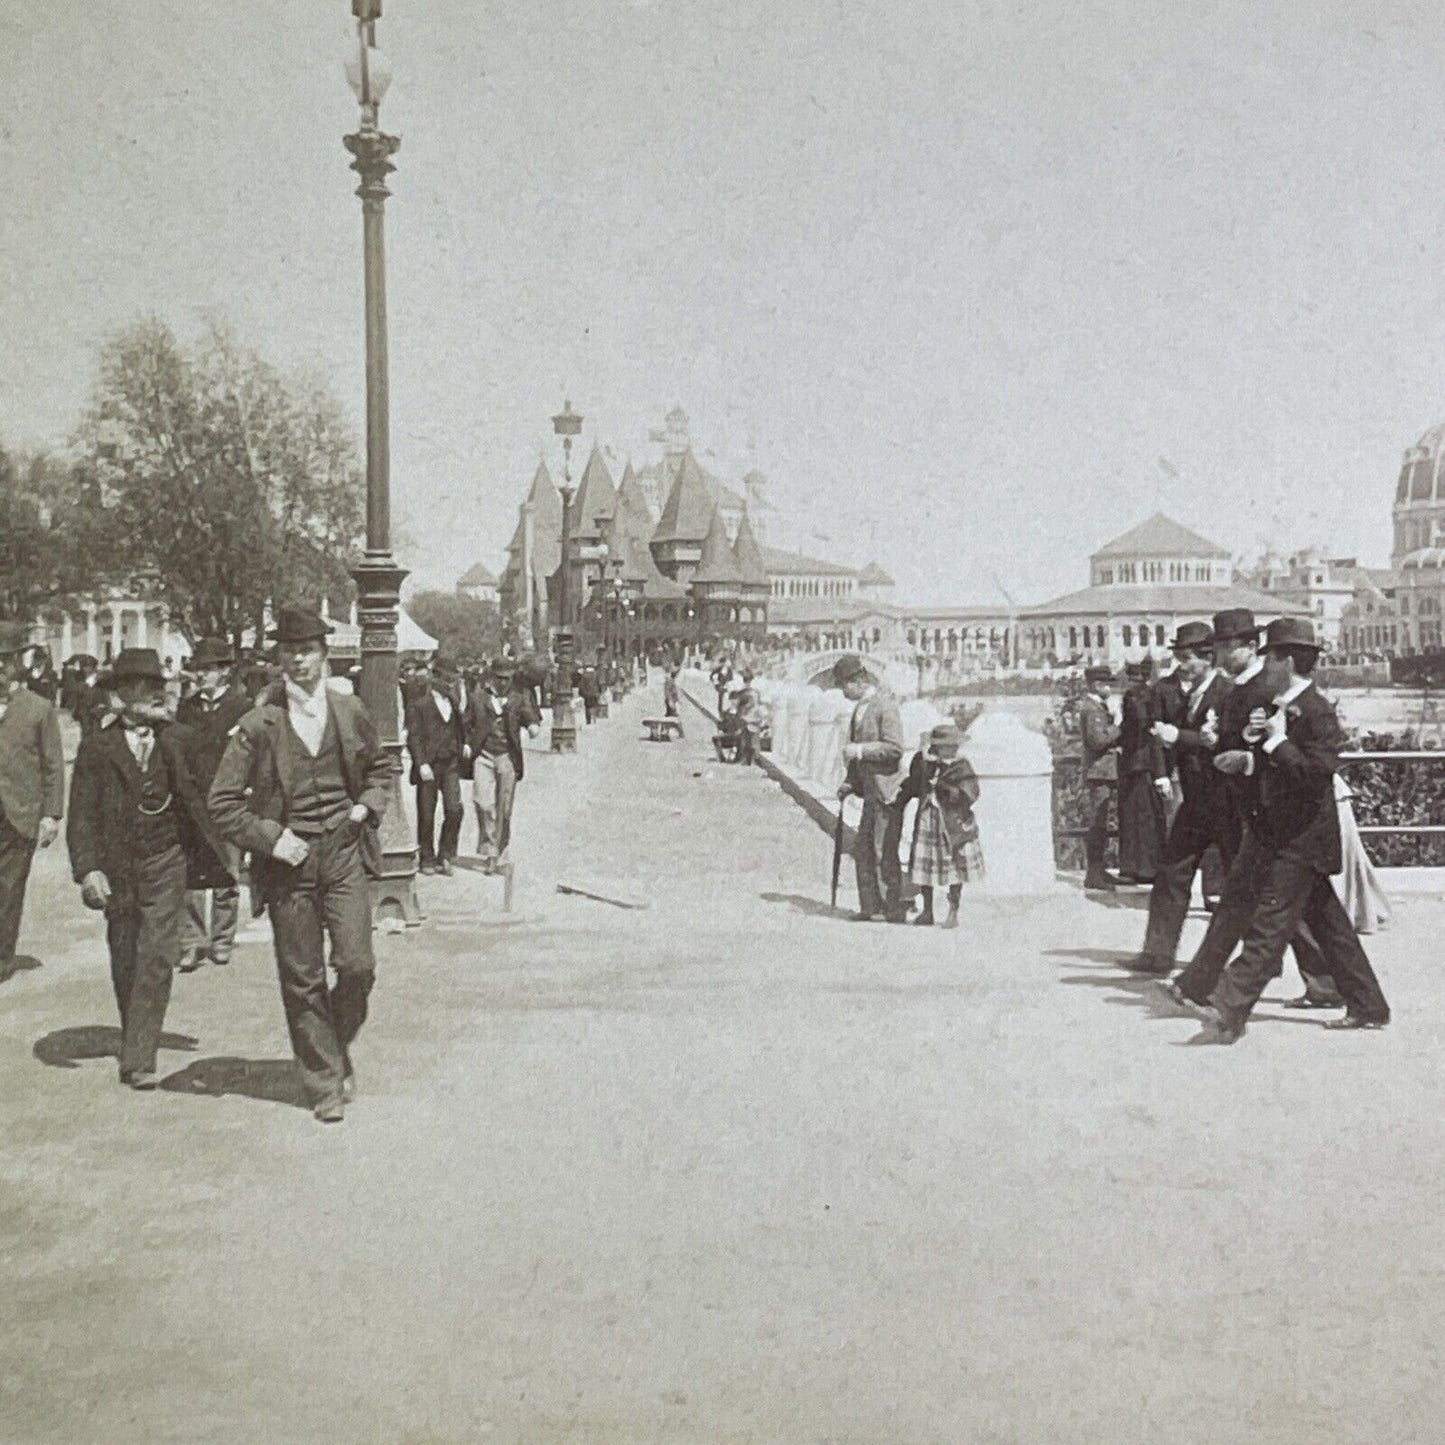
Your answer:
<point x="1288" y="762"/>
<point x="1099" y="735"/>
<point x="302" y="787"/>
<point x="135" y="815"/>
<point x="435" y="738"/>
<point x="496" y="719"/>
<point x="205" y="720"/>
<point x="32" y="783"/>
<point x="873" y="755"/>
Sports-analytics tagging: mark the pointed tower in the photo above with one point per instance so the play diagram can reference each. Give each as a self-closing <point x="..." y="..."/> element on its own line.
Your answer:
<point x="595" y="501"/>
<point x="532" y="557"/>
<point x="755" y="586"/>
<point x="716" y="584"/>
<point x="677" y="543"/>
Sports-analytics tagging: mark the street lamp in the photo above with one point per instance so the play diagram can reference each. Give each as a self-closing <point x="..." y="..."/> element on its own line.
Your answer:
<point x="378" y="578"/>
<point x="567" y="424"/>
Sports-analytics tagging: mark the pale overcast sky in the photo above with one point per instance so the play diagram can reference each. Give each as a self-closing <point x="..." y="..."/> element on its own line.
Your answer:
<point x="954" y="274"/>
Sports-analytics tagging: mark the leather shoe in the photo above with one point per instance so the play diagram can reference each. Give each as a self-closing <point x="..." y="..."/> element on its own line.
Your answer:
<point x="1354" y="1021"/>
<point x="1147" y="963"/>
<point x="446" y="867"/>
<point x="330" y="1111"/>
<point x="1221" y="1030"/>
<point x="143" y="1079"/>
<point x="1310" y="1000"/>
<point x="1169" y="997"/>
<point x="861" y="917"/>
<point x="193" y="960"/>
<point x="924" y="920"/>
<point x="1100" y="883"/>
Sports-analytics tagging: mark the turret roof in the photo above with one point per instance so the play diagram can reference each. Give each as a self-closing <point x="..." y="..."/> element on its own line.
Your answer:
<point x="596" y="497"/>
<point x="687" y="513"/>
<point x="716" y="564"/>
<point x="747" y="555"/>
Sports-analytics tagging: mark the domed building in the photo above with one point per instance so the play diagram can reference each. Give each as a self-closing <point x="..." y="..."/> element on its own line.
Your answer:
<point x="1418" y="555"/>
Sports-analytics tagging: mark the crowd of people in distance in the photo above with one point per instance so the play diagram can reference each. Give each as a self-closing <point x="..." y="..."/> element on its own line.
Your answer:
<point x="742" y="722"/>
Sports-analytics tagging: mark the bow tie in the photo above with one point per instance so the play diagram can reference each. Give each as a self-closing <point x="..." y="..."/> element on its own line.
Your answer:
<point x="142" y="732"/>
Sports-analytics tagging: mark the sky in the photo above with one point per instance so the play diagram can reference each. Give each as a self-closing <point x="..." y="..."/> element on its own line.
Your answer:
<point x="954" y="274"/>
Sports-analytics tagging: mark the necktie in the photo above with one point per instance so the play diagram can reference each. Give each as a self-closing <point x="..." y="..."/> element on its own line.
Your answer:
<point x="141" y="741"/>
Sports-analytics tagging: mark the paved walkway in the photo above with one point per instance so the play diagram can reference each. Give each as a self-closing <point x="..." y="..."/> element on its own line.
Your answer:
<point x="726" y="1169"/>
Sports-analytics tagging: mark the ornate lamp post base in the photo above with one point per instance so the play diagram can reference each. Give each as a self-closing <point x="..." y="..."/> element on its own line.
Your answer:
<point x="564" y="720"/>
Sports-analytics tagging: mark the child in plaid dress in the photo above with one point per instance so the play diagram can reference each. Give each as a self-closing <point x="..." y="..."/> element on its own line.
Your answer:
<point x="946" y="850"/>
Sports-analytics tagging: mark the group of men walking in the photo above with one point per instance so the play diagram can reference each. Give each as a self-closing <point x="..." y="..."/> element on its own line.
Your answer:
<point x="1256" y="748"/>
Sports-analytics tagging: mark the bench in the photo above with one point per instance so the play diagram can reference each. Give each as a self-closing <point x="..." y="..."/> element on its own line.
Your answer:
<point x="662" y="729"/>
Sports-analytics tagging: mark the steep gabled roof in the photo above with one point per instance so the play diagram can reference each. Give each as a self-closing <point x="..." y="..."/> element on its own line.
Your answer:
<point x="476" y="576"/>
<point x="546" y="503"/>
<point x="689" y="509"/>
<point x="1161" y="536"/>
<point x="716" y="564"/>
<point x="596" y="497"/>
<point x="632" y="503"/>
<point x="747" y="555"/>
<point x="874" y="576"/>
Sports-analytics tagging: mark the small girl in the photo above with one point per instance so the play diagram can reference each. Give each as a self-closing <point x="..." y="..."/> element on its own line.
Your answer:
<point x="946" y="848"/>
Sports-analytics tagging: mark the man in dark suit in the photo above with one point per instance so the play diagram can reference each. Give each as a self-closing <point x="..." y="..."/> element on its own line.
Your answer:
<point x="135" y="818"/>
<point x="1187" y="706"/>
<point x="873" y="756"/>
<point x="1287" y="764"/>
<point x="205" y="720"/>
<point x="1099" y="737"/>
<point x="302" y="787"/>
<point x="497" y="716"/>
<point x="436" y="735"/>
<point x="32" y="783"/>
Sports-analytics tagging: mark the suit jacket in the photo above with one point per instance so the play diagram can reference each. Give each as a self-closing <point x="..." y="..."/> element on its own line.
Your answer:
<point x="1202" y="785"/>
<point x="105" y="791"/>
<point x="431" y="738"/>
<point x="518" y="712"/>
<point x="1290" y="795"/>
<point x="878" y="728"/>
<point x="208" y="729"/>
<point x="250" y="798"/>
<point x="1100" y="739"/>
<point x="32" y="763"/>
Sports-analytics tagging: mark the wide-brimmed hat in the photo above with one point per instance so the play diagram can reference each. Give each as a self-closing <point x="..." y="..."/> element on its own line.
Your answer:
<point x="1291" y="632"/>
<point x="299" y="624"/>
<point x="1097" y="672"/>
<point x="14" y="637"/>
<point x="846" y="669"/>
<point x="1235" y="624"/>
<point x="1192" y="636"/>
<point x="135" y="664"/>
<point x="212" y="652"/>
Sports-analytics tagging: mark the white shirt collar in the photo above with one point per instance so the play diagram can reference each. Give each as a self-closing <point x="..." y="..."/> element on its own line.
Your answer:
<point x="1299" y="685"/>
<point x="1248" y="670"/>
<point x="312" y="704"/>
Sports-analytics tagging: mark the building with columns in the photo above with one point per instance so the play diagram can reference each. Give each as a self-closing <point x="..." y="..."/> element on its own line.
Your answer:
<point x="111" y="618"/>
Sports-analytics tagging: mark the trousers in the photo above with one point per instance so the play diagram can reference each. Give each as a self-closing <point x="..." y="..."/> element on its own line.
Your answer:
<point x="142" y="930"/>
<point x="1096" y="837"/>
<point x="1230" y="921"/>
<point x="1196" y="826"/>
<point x="326" y="897"/>
<point x="875" y="857"/>
<point x="16" y="854"/>
<point x="447" y="784"/>
<point x="1292" y="893"/>
<point x="494" y="793"/>
<point x="214" y="935"/>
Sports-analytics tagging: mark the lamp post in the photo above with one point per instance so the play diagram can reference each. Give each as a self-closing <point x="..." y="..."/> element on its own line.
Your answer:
<point x="378" y="577"/>
<point x="567" y="424"/>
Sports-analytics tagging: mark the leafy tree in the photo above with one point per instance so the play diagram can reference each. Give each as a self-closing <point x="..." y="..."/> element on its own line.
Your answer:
<point x="41" y="500"/>
<point x="466" y="629"/>
<point x="232" y="484"/>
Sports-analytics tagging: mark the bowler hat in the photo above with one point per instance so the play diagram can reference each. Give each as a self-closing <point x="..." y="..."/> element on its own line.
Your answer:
<point x="14" y="637"/>
<point x="503" y="667"/>
<point x="1235" y="624"/>
<point x="1097" y="672"/>
<point x="135" y="664"/>
<point x="1291" y="632"/>
<point x="299" y="624"/>
<point x="945" y="733"/>
<point x="212" y="652"/>
<point x="846" y="669"/>
<point x="1192" y="635"/>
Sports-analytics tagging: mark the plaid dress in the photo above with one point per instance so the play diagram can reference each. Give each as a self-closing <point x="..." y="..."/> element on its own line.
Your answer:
<point x="946" y="848"/>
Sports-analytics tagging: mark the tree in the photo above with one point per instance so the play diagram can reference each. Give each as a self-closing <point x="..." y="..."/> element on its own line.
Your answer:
<point x="466" y="629"/>
<point x="233" y="485"/>
<point x="41" y="500"/>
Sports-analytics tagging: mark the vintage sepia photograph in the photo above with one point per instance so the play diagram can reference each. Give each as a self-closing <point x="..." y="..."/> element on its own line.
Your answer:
<point x="721" y="724"/>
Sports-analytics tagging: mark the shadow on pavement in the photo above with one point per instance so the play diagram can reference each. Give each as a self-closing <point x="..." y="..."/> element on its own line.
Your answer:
<point x="811" y="906"/>
<point x="273" y="1081"/>
<point x="67" y="1048"/>
<point x="21" y="963"/>
<point x="1091" y="955"/>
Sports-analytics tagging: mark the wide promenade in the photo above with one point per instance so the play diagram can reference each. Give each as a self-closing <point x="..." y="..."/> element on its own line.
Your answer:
<point x="725" y="1169"/>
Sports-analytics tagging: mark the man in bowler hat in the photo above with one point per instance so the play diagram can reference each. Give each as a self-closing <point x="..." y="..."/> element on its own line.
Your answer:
<point x="1099" y="735"/>
<point x="873" y="756"/>
<point x="1286" y="762"/>
<point x="32" y="783"/>
<point x="435" y="738"/>
<point x="497" y="716"/>
<point x="302" y="786"/>
<point x="205" y="720"/>
<point x="136" y="819"/>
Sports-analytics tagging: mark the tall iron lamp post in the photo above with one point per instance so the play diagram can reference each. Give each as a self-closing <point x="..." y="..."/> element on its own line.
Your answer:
<point x="567" y="424"/>
<point x="378" y="577"/>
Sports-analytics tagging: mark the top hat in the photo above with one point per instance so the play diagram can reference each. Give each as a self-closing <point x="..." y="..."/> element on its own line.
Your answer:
<point x="212" y="652"/>
<point x="1291" y="632"/>
<point x="14" y="637"/>
<point x="1097" y="672"/>
<point x="1235" y="624"/>
<point x="1192" y="635"/>
<point x="848" y="668"/>
<point x="135" y="664"/>
<point x="299" y="624"/>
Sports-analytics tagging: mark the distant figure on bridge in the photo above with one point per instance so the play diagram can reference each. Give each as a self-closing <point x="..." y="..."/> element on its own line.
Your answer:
<point x="873" y="755"/>
<point x="946" y="851"/>
<point x="672" y="697"/>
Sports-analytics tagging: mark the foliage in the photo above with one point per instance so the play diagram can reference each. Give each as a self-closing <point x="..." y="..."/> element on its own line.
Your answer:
<point x="466" y="630"/>
<point x="230" y="484"/>
<point x="42" y="552"/>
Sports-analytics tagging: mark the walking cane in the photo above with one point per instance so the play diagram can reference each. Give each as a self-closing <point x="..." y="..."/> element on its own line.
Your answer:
<point x="837" y="855"/>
